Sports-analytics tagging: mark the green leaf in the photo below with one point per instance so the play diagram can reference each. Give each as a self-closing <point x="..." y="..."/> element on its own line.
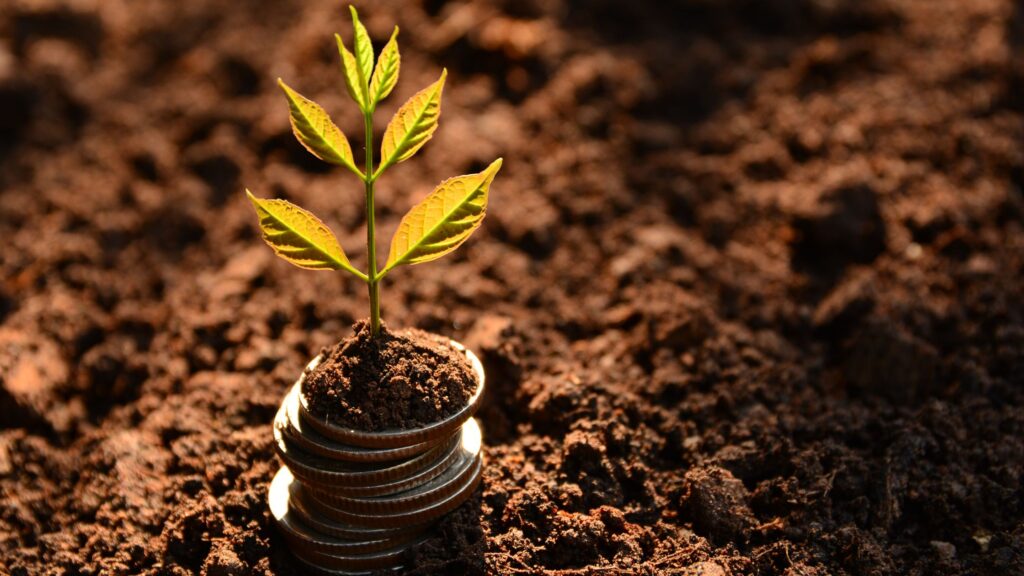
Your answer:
<point x="356" y="87"/>
<point x="443" y="220"/>
<point x="363" y="48"/>
<point x="316" y="132"/>
<point x="299" y="237"/>
<point x="412" y="126"/>
<point x="385" y="76"/>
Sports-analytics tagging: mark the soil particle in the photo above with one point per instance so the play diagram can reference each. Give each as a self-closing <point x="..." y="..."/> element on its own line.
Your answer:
<point x="31" y="372"/>
<point x="672" y="318"/>
<point x="394" y="381"/>
<point x="223" y="561"/>
<point x="556" y="401"/>
<point x="718" y="503"/>
<point x="844" y="227"/>
<point x="705" y="569"/>
<point x="498" y="344"/>
<point x="586" y="466"/>
<point x="885" y="360"/>
<point x="859" y="552"/>
<point x="189" y="531"/>
<point x="576" y="538"/>
<point x="847" y="303"/>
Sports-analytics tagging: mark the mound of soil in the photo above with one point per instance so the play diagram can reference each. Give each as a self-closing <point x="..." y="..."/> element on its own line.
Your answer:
<point x="397" y="380"/>
<point x="747" y="294"/>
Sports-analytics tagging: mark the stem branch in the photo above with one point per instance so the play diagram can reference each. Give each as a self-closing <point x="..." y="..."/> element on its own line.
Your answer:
<point x="373" y="281"/>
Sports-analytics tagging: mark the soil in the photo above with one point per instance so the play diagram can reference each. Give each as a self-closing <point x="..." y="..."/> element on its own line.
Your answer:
<point x="398" y="380"/>
<point x="748" y="294"/>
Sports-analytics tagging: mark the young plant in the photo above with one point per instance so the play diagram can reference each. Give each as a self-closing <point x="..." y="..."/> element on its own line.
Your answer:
<point x="434" y="227"/>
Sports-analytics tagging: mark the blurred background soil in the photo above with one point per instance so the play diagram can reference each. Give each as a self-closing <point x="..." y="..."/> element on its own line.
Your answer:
<point x="748" y="295"/>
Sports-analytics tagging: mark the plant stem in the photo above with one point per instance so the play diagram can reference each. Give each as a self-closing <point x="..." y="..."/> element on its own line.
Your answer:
<point x="372" y="282"/>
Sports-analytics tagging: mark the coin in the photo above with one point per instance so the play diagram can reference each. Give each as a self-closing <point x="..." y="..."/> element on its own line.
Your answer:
<point x="335" y="505"/>
<point x="400" y="484"/>
<point x="323" y="524"/>
<point x="396" y="438"/>
<point x="338" y="565"/>
<point x="424" y="514"/>
<point x="328" y="472"/>
<point x="299" y="535"/>
<point x="367" y="549"/>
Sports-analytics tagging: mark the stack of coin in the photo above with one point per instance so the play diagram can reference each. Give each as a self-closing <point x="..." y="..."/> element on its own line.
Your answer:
<point x="349" y="502"/>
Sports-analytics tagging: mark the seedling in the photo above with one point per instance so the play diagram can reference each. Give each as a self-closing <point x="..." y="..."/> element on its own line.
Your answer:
<point x="434" y="227"/>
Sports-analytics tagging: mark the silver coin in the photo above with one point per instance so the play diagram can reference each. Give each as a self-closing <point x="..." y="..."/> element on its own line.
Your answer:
<point x="337" y="565"/>
<point x="370" y="549"/>
<point x="401" y="484"/>
<point x="308" y="568"/>
<point x="425" y="514"/>
<point x="299" y="535"/>
<point x="438" y="488"/>
<point x="327" y="472"/>
<point x="344" y="530"/>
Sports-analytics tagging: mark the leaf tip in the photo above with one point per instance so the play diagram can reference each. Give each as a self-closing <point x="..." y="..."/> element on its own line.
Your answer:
<point x="355" y="14"/>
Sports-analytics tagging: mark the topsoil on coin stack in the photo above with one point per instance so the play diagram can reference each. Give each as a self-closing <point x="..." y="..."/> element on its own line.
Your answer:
<point x="396" y="380"/>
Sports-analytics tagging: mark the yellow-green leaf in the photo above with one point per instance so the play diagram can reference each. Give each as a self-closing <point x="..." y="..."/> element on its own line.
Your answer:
<point x="299" y="237"/>
<point x="316" y="132"/>
<point x="363" y="48"/>
<point x="350" y="69"/>
<point x="443" y="220"/>
<point x="413" y="125"/>
<point x="385" y="75"/>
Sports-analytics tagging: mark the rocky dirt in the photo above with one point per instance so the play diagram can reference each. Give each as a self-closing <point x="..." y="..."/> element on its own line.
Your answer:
<point x="397" y="380"/>
<point x="748" y="294"/>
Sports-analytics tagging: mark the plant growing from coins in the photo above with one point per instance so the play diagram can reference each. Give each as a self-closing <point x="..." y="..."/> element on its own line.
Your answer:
<point x="434" y="227"/>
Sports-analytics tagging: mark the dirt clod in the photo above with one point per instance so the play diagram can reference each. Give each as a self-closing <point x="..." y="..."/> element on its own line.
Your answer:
<point x="392" y="381"/>
<point x="717" y="503"/>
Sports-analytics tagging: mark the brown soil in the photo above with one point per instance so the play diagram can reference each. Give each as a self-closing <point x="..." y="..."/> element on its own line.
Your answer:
<point x="398" y="380"/>
<point x="748" y="294"/>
